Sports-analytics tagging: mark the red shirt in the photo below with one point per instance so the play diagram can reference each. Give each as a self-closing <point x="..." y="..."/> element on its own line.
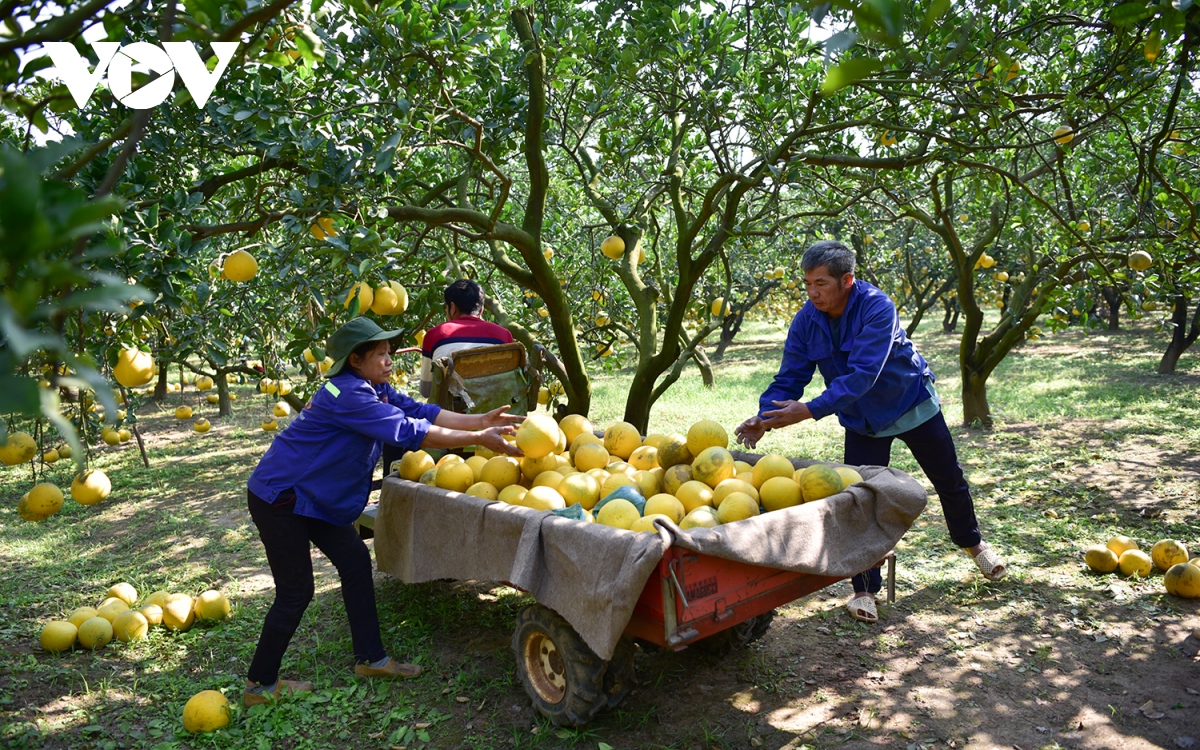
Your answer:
<point x="464" y="332"/>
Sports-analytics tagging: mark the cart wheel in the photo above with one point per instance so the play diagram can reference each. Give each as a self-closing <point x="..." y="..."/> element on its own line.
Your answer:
<point x="621" y="676"/>
<point x="564" y="678"/>
<point x="739" y="636"/>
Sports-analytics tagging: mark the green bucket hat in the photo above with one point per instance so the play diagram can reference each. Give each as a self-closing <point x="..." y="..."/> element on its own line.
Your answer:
<point x="348" y="338"/>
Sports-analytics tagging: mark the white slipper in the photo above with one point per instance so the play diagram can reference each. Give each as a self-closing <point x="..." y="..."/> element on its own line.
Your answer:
<point x="862" y="608"/>
<point x="989" y="563"/>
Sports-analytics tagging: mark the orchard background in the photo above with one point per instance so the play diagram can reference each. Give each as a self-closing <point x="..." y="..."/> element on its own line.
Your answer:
<point x="1019" y="177"/>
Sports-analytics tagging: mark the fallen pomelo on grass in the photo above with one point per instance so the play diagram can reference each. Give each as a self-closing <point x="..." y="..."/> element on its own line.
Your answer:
<point x="211" y="606"/>
<point x="1167" y="552"/>
<point x="58" y="635"/>
<point x="1100" y="558"/>
<point x="206" y="711"/>
<point x="1183" y="579"/>
<point x="95" y="633"/>
<point x="1134" y="562"/>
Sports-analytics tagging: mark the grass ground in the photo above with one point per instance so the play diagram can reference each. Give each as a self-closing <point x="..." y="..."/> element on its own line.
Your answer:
<point x="1088" y="443"/>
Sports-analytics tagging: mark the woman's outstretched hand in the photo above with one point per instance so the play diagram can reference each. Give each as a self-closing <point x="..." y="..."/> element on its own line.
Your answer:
<point x="499" y="418"/>
<point x="493" y="439"/>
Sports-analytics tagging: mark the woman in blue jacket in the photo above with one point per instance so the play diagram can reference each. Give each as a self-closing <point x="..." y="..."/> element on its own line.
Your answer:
<point x="313" y="483"/>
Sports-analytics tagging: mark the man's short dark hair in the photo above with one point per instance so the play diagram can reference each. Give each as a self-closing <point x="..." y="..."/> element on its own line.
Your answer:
<point x="467" y="296"/>
<point x="829" y="253"/>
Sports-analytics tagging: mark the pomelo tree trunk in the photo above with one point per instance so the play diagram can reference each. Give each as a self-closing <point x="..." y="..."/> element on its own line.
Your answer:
<point x="1183" y="334"/>
<point x="1112" y="298"/>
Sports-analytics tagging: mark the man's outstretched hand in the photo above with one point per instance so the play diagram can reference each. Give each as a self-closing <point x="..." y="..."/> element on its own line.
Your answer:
<point x="748" y="433"/>
<point x="499" y="417"/>
<point x="789" y="412"/>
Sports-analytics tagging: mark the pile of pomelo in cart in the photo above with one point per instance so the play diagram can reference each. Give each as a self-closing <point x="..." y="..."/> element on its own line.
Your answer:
<point x="625" y="481"/>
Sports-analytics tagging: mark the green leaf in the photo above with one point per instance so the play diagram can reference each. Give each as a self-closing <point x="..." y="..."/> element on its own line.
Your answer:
<point x="243" y="114"/>
<point x="937" y="9"/>
<point x="278" y="59"/>
<point x="1127" y="14"/>
<point x="840" y="76"/>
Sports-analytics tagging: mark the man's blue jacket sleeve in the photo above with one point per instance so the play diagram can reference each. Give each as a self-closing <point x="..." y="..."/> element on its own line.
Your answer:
<point x="866" y="360"/>
<point x="795" y="371"/>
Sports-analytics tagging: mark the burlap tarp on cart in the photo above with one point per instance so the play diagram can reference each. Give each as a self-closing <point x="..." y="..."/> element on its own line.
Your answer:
<point x="592" y="575"/>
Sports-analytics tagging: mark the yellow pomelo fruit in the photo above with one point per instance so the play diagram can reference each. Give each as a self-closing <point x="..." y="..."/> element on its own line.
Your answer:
<point x="1140" y="260"/>
<point x="501" y="471"/>
<point x="1064" y="134"/>
<point x="384" y="300"/>
<point x="737" y="506"/>
<point x="213" y="398"/>
<point x="183" y="412"/>
<point x="733" y="485"/>
<point x="111" y="609"/>
<point x="1134" y="562"/>
<point x="284" y="387"/>
<point x="95" y="633"/>
<point x="456" y="476"/>
<point x="130" y="625"/>
<point x="743" y="467"/>
<point x="591" y="456"/>
<point x="712" y="466"/>
<point x="204" y="383"/>
<point x="693" y="494"/>
<point x="531" y="467"/>
<point x="598" y="474"/>
<point x="615" y="467"/>
<point x="281" y="409"/>
<point x="537" y="436"/>
<point x="19" y="448"/>
<point x="1100" y="558"/>
<point x="401" y="298"/>
<point x="449" y="458"/>
<point x="849" y="476"/>
<point x="703" y="517"/>
<point x="123" y="591"/>
<point x="134" y="368"/>
<point x="646" y="523"/>
<point x="574" y="425"/>
<point x="705" y="434"/>
<point x="1120" y="543"/>
<point x="206" y="711"/>
<point x="1167" y="553"/>
<point x="549" y="479"/>
<point x="110" y="600"/>
<point x="64" y="451"/>
<point x="178" y="612"/>
<point x="50" y="456"/>
<point x="585" y="438"/>
<point x="819" y="481"/>
<point x="483" y="490"/>
<point x="212" y="605"/>
<point x="648" y="482"/>
<point x="512" y="494"/>
<point x="158" y="597"/>
<point x="619" y="513"/>
<point x="365" y="295"/>
<point x="780" y="492"/>
<point x="665" y="505"/>
<point x="772" y="465"/>
<point x="153" y="614"/>
<point x="543" y="498"/>
<point x="653" y="440"/>
<point x="613" y="247"/>
<point x="239" y="266"/>
<point x="719" y="307"/>
<point x="673" y="450"/>
<point x="81" y="615"/>
<point x="58" y="636"/>
<point x="41" y="502"/>
<point x="110" y="436"/>
<point x="560" y="446"/>
<point x="476" y="463"/>
<point x="622" y="439"/>
<point x="610" y="485"/>
<point x="674" y="478"/>
<point x="1183" y="580"/>
<point x="644" y="458"/>
<point x="415" y="463"/>
<point x="200" y="425"/>
<point x="580" y="488"/>
<point x="269" y="425"/>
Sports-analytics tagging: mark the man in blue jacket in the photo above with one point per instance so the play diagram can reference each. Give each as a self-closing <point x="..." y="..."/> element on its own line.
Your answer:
<point x="313" y="483"/>
<point x="881" y="389"/>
